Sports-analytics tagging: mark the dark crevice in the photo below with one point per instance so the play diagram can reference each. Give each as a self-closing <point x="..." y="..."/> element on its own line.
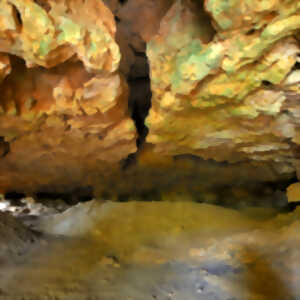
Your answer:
<point x="281" y="185"/>
<point x="44" y="4"/>
<point x="296" y="66"/>
<point x="129" y="161"/>
<point x="41" y="196"/>
<point x="250" y="32"/>
<point x="123" y="198"/>
<point x="290" y="207"/>
<point x="266" y="83"/>
<point x="138" y="53"/>
<point x="15" y="198"/>
<point x="151" y="195"/>
<point x="140" y="96"/>
<point x="71" y="198"/>
<point x="262" y="194"/>
<point x="204" y="20"/>
<point x="19" y="19"/>
<point x="17" y="16"/>
<point x="4" y="147"/>
<point x="139" y="104"/>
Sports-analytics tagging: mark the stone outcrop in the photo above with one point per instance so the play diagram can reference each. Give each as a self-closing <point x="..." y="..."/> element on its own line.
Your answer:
<point x="225" y="81"/>
<point x="63" y="105"/>
<point x="75" y="92"/>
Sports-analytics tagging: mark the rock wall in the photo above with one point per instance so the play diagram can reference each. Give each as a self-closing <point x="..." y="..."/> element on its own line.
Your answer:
<point x="75" y="93"/>
<point x="225" y="81"/>
<point x="64" y="114"/>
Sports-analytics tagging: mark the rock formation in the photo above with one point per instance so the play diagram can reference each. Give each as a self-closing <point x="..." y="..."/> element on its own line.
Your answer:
<point x="225" y="81"/>
<point x="64" y="112"/>
<point x="75" y="93"/>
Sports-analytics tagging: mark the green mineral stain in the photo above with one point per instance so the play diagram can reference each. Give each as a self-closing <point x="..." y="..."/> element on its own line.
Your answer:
<point x="70" y="31"/>
<point x="93" y="47"/>
<point x="244" y="111"/>
<point x="281" y="28"/>
<point x="44" y="48"/>
<point x="226" y="24"/>
<point x="219" y="9"/>
<point x="200" y="62"/>
<point x="228" y="92"/>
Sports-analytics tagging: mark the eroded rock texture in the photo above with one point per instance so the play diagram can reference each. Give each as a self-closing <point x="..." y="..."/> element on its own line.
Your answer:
<point x="225" y="81"/>
<point x="63" y="103"/>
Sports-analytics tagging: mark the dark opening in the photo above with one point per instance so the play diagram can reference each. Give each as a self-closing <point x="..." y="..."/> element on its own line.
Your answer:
<point x="44" y="4"/>
<point x="140" y="97"/>
<point x="250" y="32"/>
<point x="266" y="83"/>
<point x="123" y="198"/>
<point x="4" y="147"/>
<point x="139" y="101"/>
<point x="70" y="198"/>
<point x="139" y="104"/>
<point x="17" y="16"/>
<point x="15" y="198"/>
<point x="204" y="20"/>
<point x="296" y="66"/>
<point x="290" y="207"/>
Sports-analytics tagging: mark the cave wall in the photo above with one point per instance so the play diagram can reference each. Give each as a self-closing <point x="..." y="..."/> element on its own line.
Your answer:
<point x="64" y="113"/>
<point x="225" y="82"/>
<point x="75" y="94"/>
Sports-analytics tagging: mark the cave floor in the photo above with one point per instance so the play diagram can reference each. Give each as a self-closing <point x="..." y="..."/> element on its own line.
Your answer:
<point x="158" y="250"/>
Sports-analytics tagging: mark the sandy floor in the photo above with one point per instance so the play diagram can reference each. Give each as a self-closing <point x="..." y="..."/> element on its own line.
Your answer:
<point x="159" y="250"/>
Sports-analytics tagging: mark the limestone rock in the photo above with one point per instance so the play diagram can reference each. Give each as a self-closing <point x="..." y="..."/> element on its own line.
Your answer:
<point x="225" y="85"/>
<point x="51" y="35"/>
<point x="224" y="81"/>
<point x="63" y="107"/>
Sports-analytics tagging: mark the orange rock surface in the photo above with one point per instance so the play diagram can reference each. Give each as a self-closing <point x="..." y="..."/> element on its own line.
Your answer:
<point x="225" y="81"/>
<point x="63" y="107"/>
